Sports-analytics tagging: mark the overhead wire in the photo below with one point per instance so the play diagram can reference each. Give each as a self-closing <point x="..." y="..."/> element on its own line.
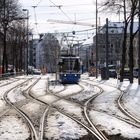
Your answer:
<point x="38" y="3"/>
<point x="59" y="7"/>
<point x="36" y="23"/>
<point x="74" y="5"/>
<point x="35" y="16"/>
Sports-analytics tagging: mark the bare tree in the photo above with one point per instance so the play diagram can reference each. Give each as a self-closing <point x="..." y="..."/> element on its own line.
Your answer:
<point x="16" y="39"/>
<point x="134" y="5"/>
<point x="51" y="49"/>
<point x="128" y="8"/>
<point x="8" y="12"/>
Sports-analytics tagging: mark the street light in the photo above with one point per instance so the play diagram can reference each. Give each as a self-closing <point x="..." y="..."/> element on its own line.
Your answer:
<point x="97" y="35"/>
<point x="27" y="39"/>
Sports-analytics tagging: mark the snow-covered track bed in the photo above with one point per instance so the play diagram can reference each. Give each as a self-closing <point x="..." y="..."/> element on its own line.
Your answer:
<point x="58" y="108"/>
<point x="107" y="103"/>
<point x="20" y="112"/>
<point x="70" y="98"/>
<point x="126" y="111"/>
<point x="130" y="119"/>
<point x="133" y="120"/>
<point x="85" y="108"/>
<point x="40" y="112"/>
<point x="7" y="82"/>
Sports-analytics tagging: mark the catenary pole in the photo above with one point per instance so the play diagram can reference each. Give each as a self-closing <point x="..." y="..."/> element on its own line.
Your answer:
<point x="139" y="48"/>
<point x="96" y="41"/>
<point x="27" y="39"/>
<point x="107" y="43"/>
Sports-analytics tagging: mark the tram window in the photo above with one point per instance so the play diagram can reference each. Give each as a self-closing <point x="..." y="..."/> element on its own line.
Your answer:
<point x="76" y="65"/>
<point x="69" y="65"/>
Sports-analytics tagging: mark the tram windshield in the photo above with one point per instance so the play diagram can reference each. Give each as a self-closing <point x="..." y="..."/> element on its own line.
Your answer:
<point x="70" y="65"/>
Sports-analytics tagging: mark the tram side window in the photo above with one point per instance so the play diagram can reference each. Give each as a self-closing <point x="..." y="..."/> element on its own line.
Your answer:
<point x="76" y="66"/>
<point x="65" y="66"/>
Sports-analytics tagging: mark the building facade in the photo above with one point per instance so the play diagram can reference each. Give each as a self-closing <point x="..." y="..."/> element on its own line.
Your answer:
<point x="115" y="39"/>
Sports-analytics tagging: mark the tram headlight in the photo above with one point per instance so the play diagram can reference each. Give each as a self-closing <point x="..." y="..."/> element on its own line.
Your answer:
<point x="64" y="74"/>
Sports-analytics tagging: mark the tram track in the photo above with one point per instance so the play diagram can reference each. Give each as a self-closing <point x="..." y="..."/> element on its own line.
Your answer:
<point x="98" y="133"/>
<point x="5" y="84"/>
<point x="86" y="108"/>
<point x="118" y="117"/>
<point x="122" y="109"/>
<point x="20" y="112"/>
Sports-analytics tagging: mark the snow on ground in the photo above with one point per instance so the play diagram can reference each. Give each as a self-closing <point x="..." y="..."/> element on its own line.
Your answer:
<point x="56" y="88"/>
<point x="48" y="98"/>
<point x="61" y="127"/>
<point x="70" y="89"/>
<point x="106" y="101"/>
<point x="40" y="88"/>
<point x="12" y="127"/>
<point x="8" y="87"/>
<point x="16" y="96"/>
<point x="3" y="89"/>
<point x="88" y="92"/>
<point x="70" y="107"/>
<point x="113" y="126"/>
<point x="131" y="99"/>
<point x="9" y="80"/>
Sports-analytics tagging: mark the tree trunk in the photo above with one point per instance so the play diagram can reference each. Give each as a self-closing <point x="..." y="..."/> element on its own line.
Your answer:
<point x="131" y="65"/>
<point x="123" y="60"/>
<point x="4" y="61"/>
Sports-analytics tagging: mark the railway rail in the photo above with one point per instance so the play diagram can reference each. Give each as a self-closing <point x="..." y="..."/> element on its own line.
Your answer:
<point x="132" y="119"/>
<point x="124" y="110"/>
<point x="5" y="84"/>
<point x="98" y="132"/>
<point x="21" y="113"/>
<point x="90" y="126"/>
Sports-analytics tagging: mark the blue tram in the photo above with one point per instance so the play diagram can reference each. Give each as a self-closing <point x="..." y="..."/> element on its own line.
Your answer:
<point x="69" y="68"/>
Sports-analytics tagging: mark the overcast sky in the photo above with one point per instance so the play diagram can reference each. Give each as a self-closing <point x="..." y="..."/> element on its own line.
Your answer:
<point x="70" y="10"/>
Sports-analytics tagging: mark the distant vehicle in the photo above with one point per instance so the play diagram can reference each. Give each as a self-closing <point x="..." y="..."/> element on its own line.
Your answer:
<point x="69" y="67"/>
<point x="111" y="67"/>
<point x="112" y="73"/>
<point x="126" y="74"/>
<point x="135" y="72"/>
<point x="36" y="71"/>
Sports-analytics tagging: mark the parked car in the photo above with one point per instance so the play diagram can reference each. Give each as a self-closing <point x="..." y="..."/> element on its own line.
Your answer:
<point x="112" y="73"/>
<point x="36" y="71"/>
<point x="126" y="74"/>
<point x="135" y="72"/>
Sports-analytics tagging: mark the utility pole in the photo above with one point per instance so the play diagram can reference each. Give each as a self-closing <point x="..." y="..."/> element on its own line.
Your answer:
<point x="139" y="48"/>
<point x="96" y="41"/>
<point x="107" y="43"/>
<point x="97" y="57"/>
<point x="27" y="39"/>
